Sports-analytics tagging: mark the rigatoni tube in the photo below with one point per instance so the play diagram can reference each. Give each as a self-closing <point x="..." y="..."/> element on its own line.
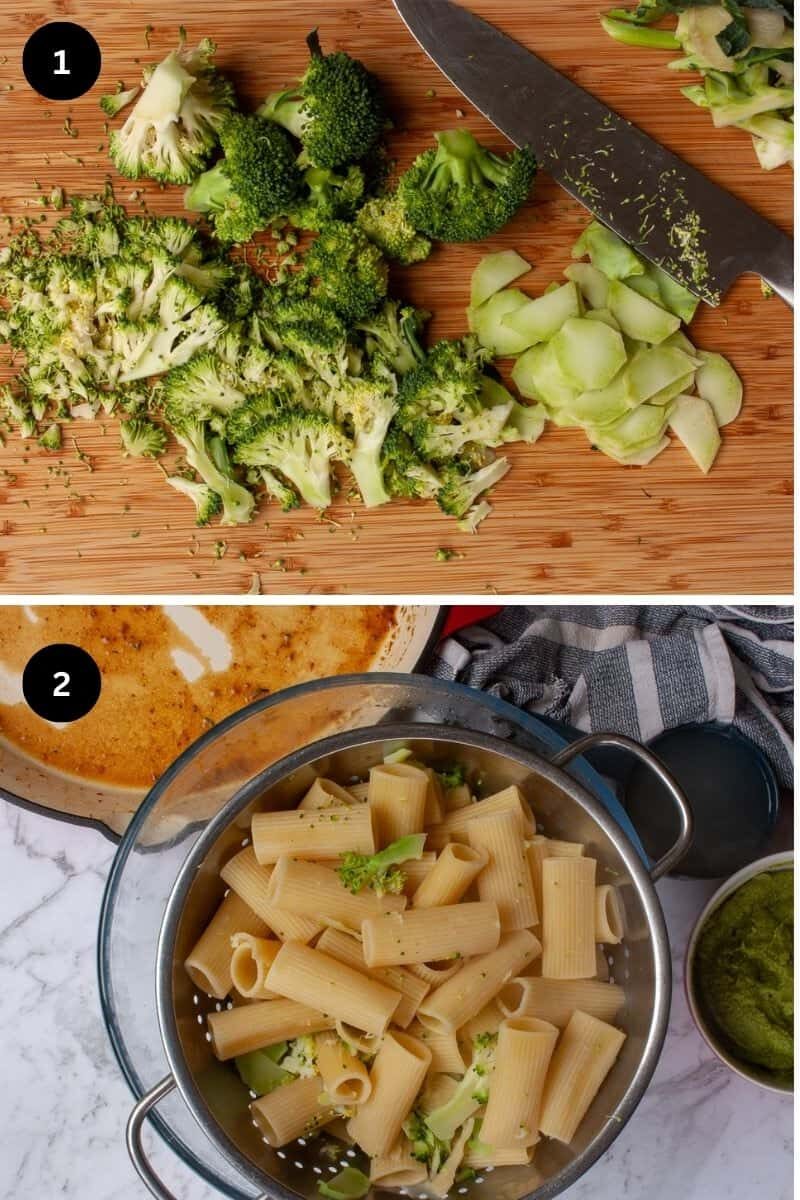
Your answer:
<point x="324" y="833"/>
<point x="430" y="934"/>
<point x="344" y="1077"/>
<point x="312" y="977"/>
<point x="454" y="826"/>
<point x="609" y="915"/>
<point x="209" y="963"/>
<point x="478" y="982"/>
<point x="397" y="798"/>
<point x="555" y="1000"/>
<point x="251" y="960"/>
<point x="291" y="1110"/>
<point x="506" y="878"/>
<point x="252" y="882"/>
<point x="568" y="918"/>
<point x="314" y="891"/>
<point x="237" y="1031"/>
<point x="348" y="949"/>
<point x="586" y="1053"/>
<point x="450" y="877"/>
<point x="397" y="1073"/>
<point x="524" y="1048"/>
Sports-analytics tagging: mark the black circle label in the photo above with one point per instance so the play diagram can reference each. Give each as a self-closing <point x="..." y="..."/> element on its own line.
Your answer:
<point x="61" y="60"/>
<point x="61" y="682"/>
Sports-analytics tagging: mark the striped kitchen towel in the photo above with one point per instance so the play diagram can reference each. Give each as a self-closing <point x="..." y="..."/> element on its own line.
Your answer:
<point x="637" y="669"/>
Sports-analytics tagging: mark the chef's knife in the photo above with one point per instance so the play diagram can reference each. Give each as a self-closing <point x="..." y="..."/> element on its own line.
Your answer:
<point x="701" y="234"/>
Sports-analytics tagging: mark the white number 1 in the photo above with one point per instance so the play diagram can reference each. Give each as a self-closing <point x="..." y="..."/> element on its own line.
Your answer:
<point x="60" y="689"/>
<point x="62" y="69"/>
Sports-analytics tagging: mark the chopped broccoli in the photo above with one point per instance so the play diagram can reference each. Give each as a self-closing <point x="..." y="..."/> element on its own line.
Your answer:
<point x="367" y="408"/>
<point x="425" y="1146"/>
<point x="453" y="775"/>
<point x="327" y="195"/>
<point x="349" y="1184"/>
<point x="301" y="1056"/>
<point x="113" y="104"/>
<point x="380" y="871"/>
<point x="460" y="491"/>
<point x="314" y="334"/>
<point x="203" y="387"/>
<point x="385" y="221"/>
<point x="346" y="271"/>
<point x="472" y="518"/>
<point x="302" y="446"/>
<point x="447" y="384"/>
<point x="393" y="332"/>
<point x="237" y="501"/>
<point x="286" y="496"/>
<point x="174" y="125"/>
<point x="472" y="1091"/>
<point x="255" y="181"/>
<point x="142" y="438"/>
<point x="51" y="438"/>
<point x="405" y="472"/>
<point x="336" y="110"/>
<point x="461" y="192"/>
<point x="206" y="502"/>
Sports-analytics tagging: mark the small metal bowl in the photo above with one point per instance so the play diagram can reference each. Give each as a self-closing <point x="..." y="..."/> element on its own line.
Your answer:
<point x="764" y="1078"/>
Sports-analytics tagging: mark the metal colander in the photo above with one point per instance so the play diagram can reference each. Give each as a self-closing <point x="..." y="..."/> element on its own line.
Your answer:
<point x="564" y="808"/>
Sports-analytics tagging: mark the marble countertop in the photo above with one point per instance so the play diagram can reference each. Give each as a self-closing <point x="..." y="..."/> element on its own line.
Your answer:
<point x="700" y="1133"/>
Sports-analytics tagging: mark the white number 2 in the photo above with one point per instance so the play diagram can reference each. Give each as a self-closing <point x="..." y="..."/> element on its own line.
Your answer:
<point x="60" y="689"/>
<point x="61" y="58"/>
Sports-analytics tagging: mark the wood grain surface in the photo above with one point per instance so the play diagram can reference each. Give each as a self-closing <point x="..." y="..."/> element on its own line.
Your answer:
<point x="565" y="519"/>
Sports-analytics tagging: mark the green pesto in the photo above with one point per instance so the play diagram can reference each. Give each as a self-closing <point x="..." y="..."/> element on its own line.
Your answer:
<point x="744" y="970"/>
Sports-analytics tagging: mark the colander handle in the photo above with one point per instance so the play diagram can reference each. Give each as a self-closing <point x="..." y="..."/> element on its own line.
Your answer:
<point x="594" y="741"/>
<point x="133" y="1138"/>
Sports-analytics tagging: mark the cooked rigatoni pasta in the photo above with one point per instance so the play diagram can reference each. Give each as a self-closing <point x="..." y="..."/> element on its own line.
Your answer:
<point x="321" y="833"/>
<point x="311" y="977"/>
<point x="237" y="1031"/>
<point x="251" y="959"/>
<point x="400" y="1001"/>
<point x="326" y="793"/>
<point x="478" y="982"/>
<point x="585" y="1054"/>
<point x="315" y="891"/>
<point x="397" y="1074"/>
<point x="609" y="915"/>
<point x="344" y="1077"/>
<point x="417" y="935"/>
<point x="452" y="873"/>
<point x="506" y="878"/>
<point x="397" y="797"/>
<point x="525" y="1046"/>
<point x="251" y="882"/>
<point x="555" y="1000"/>
<point x="209" y="964"/>
<point x="291" y="1111"/>
<point x="348" y="949"/>
<point x="568" y="918"/>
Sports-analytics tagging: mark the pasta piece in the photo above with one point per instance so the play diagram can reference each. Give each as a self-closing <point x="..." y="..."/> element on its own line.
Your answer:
<point x="506" y="879"/>
<point x="483" y="1157"/>
<point x="209" y="964"/>
<point x="457" y="797"/>
<point x="586" y="1053"/>
<point x="359" y="791"/>
<point x="434" y="800"/>
<point x="568" y="918"/>
<point x="454" y="826"/>
<point x="313" y="890"/>
<point x="397" y="798"/>
<point x="364" y="1043"/>
<point x="445" y="1177"/>
<point x="348" y="949"/>
<point x="417" y="870"/>
<point x="398" y="1168"/>
<point x="453" y="872"/>
<point x="435" y="973"/>
<point x="324" y="833"/>
<point x="292" y="1110"/>
<point x="312" y="977"/>
<point x="325" y="793"/>
<point x="609" y="915"/>
<point x="555" y="1000"/>
<point x="344" y="1077"/>
<point x="525" y="1046"/>
<point x="559" y="849"/>
<point x="252" y="883"/>
<point x="237" y="1031"/>
<point x="446" y="1056"/>
<point x="430" y="933"/>
<point x="486" y="1021"/>
<point x="603" y="969"/>
<point x="537" y="851"/>
<point x="478" y="982"/>
<point x="252" y="958"/>
<point x="397" y="1073"/>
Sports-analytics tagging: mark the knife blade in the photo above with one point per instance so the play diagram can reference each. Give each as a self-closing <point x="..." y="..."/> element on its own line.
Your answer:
<point x="671" y="213"/>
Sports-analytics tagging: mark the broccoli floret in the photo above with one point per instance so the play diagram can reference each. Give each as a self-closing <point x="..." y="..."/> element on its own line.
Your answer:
<point x="393" y="332"/>
<point x="51" y="438"/>
<point x="204" y="387"/>
<point x="380" y="872"/>
<point x="346" y="271"/>
<point x="452" y="775"/>
<point x="367" y="408"/>
<point x="443" y="393"/>
<point x="327" y="195"/>
<point x="443" y="441"/>
<point x="113" y="104"/>
<point x="472" y="1091"/>
<point x="313" y="332"/>
<point x="461" y="192"/>
<point x="405" y="472"/>
<point x="199" y="447"/>
<point x="460" y="491"/>
<point x="286" y="496"/>
<point x="173" y="127"/>
<point x="185" y="324"/>
<point x="336" y="110"/>
<point x="301" y="1056"/>
<point x="425" y="1146"/>
<point x="206" y="502"/>
<point x="142" y="438"/>
<point x="302" y="446"/>
<point x="18" y="410"/>
<point x="255" y="181"/>
<point x="241" y="423"/>
<point x="385" y="221"/>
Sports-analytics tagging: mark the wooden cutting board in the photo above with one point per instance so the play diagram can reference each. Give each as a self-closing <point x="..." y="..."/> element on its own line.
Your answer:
<point x="566" y="519"/>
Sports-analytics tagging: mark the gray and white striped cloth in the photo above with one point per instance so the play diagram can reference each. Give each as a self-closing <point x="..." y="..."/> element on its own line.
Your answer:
<point x="639" y="670"/>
